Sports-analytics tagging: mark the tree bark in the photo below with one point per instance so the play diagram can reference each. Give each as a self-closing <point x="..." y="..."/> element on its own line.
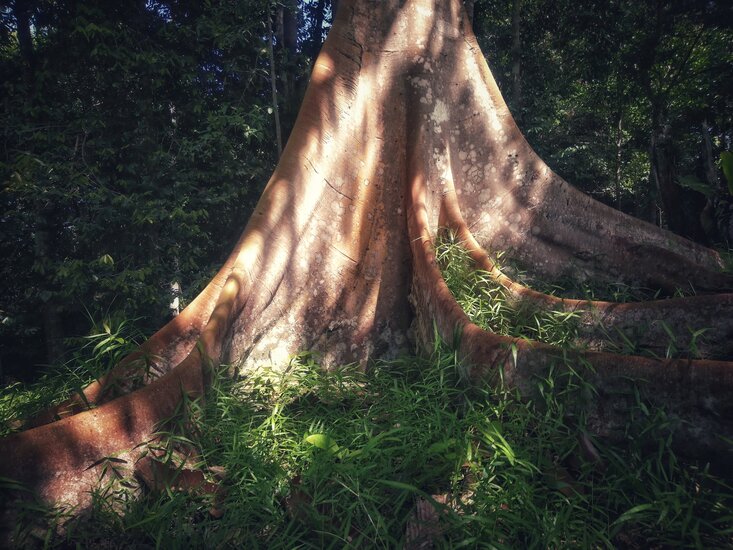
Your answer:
<point x="402" y="132"/>
<point x="469" y="6"/>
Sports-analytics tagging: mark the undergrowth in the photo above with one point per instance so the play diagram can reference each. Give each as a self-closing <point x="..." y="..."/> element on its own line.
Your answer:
<point x="492" y="307"/>
<point x="317" y="459"/>
<point x="339" y="459"/>
<point x="107" y="342"/>
<point x="489" y="305"/>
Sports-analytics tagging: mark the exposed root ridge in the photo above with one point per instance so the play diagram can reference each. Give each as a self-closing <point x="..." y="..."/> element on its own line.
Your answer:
<point x="124" y="424"/>
<point x="697" y="392"/>
<point x="602" y="323"/>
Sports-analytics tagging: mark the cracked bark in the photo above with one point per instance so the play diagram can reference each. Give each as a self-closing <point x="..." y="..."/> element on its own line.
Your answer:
<point x="402" y="131"/>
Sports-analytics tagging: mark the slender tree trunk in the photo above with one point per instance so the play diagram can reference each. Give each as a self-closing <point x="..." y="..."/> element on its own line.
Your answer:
<point x="25" y="39"/>
<point x="52" y="326"/>
<point x="711" y="172"/>
<point x="289" y="70"/>
<point x="647" y="57"/>
<point x="280" y="26"/>
<point x="286" y="32"/>
<point x="619" y="151"/>
<point x="717" y="216"/>
<point x="516" y="53"/>
<point x="681" y="207"/>
<point x="175" y="295"/>
<point x="317" y="33"/>
<point x="273" y="88"/>
<point x="175" y="290"/>
<point x="469" y="6"/>
<point x="290" y="29"/>
<point x="663" y="174"/>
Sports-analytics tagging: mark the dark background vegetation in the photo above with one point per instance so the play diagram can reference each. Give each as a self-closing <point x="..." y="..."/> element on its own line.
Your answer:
<point x="137" y="135"/>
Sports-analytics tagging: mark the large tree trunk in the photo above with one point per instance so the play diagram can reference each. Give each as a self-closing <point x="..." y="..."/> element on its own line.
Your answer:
<point x="402" y="132"/>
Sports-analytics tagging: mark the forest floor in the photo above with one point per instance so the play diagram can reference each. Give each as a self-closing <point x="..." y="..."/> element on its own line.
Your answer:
<point x="405" y="454"/>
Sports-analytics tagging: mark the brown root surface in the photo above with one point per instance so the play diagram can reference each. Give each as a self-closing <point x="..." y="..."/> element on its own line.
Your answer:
<point x="402" y="131"/>
<point x="653" y="326"/>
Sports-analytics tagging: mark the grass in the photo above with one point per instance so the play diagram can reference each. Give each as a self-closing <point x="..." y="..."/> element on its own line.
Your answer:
<point x="317" y="459"/>
<point x="488" y="304"/>
<point x="450" y="250"/>
<point x="96" y="353"/>
<point x="333" y="460"/>
<point x="491" y="306"/>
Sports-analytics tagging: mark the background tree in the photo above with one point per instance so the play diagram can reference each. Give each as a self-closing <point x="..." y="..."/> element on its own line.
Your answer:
<point x="591" y="98"/>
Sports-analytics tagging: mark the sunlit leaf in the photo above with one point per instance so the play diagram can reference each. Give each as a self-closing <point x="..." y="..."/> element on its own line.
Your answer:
<point x="323" y="441"/>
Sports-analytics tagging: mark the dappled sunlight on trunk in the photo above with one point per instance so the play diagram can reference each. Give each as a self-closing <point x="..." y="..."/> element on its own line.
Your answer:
<point x="402" y="133"/>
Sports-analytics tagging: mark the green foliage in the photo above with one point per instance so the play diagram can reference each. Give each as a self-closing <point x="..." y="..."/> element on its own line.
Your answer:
<point x="598" y="79"/>
<point x="95" y="354"/>
<point x="319" y="459"/>
<point x="132" y="153"/>
<point x="490" y="306"/>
